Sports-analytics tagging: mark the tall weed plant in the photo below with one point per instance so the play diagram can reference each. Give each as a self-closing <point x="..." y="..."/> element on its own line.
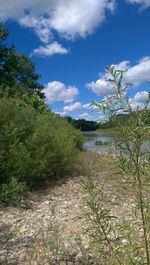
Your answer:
<point x="128" y="241"/>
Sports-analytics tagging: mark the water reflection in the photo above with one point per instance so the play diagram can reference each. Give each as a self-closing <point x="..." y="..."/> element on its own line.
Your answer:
<point x="91" y="138"/>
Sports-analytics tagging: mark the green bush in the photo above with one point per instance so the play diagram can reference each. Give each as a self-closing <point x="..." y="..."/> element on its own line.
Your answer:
<point x="99" y="142"/>
<point x="107" y="143"/>
<point x="34" y="144"/>
<point x="12" y="191"/>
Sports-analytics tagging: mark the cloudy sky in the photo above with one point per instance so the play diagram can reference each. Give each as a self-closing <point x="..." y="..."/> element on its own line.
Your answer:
<point x="72" y="41"/>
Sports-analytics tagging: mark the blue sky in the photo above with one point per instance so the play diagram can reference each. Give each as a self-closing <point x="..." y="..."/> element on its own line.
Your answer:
<point x="71" y="42"/>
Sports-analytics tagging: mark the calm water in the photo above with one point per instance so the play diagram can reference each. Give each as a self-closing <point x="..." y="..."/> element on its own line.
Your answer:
<point x="92" y="137"/>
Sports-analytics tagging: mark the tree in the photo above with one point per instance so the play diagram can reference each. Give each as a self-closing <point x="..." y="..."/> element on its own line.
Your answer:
<point x="16" y="71"/>
<point x="3" y="49"/>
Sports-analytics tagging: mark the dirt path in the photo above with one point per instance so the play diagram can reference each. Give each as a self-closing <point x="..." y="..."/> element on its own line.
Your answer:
<point x="57" y="208"/>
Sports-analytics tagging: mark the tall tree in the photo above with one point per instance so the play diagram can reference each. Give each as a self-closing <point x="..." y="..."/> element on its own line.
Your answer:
<point x="16" y="70"/>
<point x="3" y="49"/>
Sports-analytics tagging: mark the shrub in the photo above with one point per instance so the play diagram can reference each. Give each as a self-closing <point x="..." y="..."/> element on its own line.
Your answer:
<point x="99" y="142"/>
<point x="12" y="191"/>
<point x="34" y="144"/>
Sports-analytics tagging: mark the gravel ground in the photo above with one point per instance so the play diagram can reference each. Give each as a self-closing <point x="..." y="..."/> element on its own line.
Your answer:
<point x="53" y="213"/>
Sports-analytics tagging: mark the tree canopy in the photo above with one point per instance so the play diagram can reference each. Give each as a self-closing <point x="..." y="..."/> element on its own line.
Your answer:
<point x="16" y="70"/>
<point x="83" y="124"/>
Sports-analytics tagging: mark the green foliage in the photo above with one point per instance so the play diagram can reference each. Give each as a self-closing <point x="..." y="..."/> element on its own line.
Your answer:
<point x="134" y="163"/>
<point x="3" y="49"/>
<point x="112" y="240"/>
<point x="122" y="119"/>
<point x="34" y="144"/>
<point x="83" y="125"/>
<point x="12" y="192"/>
<point x="20" y="70"/>
<point x="16" y="71"/>
<point x="99" y="142"/>
<point x="23" y="98"/>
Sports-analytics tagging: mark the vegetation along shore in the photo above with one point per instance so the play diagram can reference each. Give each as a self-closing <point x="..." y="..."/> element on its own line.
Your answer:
<point x="60" y="203"/>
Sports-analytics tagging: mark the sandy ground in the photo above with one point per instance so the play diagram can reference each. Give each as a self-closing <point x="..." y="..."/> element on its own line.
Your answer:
<point x="51" y="215"/>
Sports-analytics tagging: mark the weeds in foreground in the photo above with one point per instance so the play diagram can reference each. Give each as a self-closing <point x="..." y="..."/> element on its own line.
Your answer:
<point x="114" y="240"/>
<point x="133" y="159"/>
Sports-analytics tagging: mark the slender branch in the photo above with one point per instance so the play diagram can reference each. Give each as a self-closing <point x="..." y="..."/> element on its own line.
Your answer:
<point x="143" y="217"/>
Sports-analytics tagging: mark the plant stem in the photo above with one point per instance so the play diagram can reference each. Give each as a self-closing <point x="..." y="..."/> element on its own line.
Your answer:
<point x="143" y="217"/>
<point x="110" y="245"/>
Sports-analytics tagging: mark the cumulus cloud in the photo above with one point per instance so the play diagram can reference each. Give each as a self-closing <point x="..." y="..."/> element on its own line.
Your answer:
<point x="141" y="96"/>
<point x="73" y="107"/>
<point x="49" y="50"/>
<point x="56" y="91"/>
<point x="70" y="19"/>
<point x="61" y="113"/>
<point x="85" y="116"/>
<point x="89" y="106"/>
<point x="39" y="25"/>
<point x="139" y="73"/>
<point x="138" y="100"/>
<point x="143" y="3"/>
<point x="92" y="117"/>
<point x="101" y="87"/>
<point x="134" y="75"/>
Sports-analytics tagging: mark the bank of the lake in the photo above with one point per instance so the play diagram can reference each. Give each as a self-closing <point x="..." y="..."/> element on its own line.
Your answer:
<point x="50" y="220"/>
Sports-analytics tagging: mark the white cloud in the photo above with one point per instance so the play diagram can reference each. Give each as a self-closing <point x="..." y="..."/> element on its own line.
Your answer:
<point x="73" y="107"/>
<point x="56" y="91"/>
<point x="61" y="113"/>
<point x="40" y="26"/>
<point x="51" y="49"/>
<point x="142" y="3"/>
<point x="102" y="118"/>
<point x="134" y="75"/>
<point x="89" y="106"/>
<point x="141" y="96"/>
<point x="91" y="117"/>
<point x="85" y="116"/>
<point x="139" y="73"/>
<point x="138" y="100"/>
<point x="101" y="87"/>
<point x="80" y="17"/>
<point x="70" y="19"/>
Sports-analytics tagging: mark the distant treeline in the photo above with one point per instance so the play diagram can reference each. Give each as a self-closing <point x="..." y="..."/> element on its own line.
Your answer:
<point x="83" y="124"/>
<point x="120" y="119"/>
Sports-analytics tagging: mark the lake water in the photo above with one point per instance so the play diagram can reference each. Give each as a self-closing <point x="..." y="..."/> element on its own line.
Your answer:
<point x="92" y="137"/>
